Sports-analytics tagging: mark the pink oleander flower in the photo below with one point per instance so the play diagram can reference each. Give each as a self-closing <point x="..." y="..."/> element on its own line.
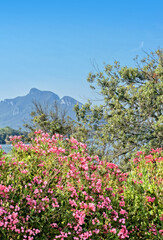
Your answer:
<point x="123" y="233"/>
<point x="36" y="191"/>
<point x="122" y="211"/>
<point x="161" y="232"/>
<point x="72" y="203"/>
<point x="109" y="189"/>
<point x="54" y="225"/>
<point x="122" y="220"/>
<point x="113" y="230"/>
<point x="92" y="207"/>
<point x="150" y="199"/>
<point x="1" y="223"/>
<point x="140" y="153"/>
<point x="96" y="231"/>
<point x="24" y="171"/>
<point x="122" y="204"/>
<point x="41" y="165"/>
<point x="14" y="215"/>
<point x="153" y="229"/>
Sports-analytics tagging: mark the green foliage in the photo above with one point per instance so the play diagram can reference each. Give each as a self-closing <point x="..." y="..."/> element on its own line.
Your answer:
<point x="130" y="115"/>
<point x="143" y="195"/>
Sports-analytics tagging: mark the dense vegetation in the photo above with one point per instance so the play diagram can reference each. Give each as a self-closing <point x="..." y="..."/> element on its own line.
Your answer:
<point x="53" y="189"/>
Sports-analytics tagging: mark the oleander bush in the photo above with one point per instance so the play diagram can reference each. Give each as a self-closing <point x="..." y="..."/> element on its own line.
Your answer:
<point x="144" y="196"/>
<point x="52" y="189"/>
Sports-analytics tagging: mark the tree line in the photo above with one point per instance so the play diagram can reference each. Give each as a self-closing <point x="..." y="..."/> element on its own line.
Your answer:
<point x="6" y="132"/>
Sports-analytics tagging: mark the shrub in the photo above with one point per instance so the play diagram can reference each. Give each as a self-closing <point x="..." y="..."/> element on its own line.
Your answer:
<point x="143" y="196"/>
<point x="52" y="189"/>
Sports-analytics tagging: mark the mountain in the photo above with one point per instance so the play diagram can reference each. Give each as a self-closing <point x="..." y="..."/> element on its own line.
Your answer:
<point x="15" y="112"/>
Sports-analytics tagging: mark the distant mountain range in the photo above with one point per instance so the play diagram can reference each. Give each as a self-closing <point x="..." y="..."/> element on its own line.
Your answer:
<point x="15" y="112"/>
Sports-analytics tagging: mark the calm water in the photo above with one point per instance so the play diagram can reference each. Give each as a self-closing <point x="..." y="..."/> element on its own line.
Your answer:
<point x="6" y="147"/>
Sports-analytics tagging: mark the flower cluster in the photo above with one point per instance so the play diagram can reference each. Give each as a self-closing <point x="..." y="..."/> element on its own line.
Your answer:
<point x="52" y="189"/>
<point x="143" y="195"/>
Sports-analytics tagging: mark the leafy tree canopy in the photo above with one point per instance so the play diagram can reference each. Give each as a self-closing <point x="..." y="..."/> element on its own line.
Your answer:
<point x="130" y="116"/>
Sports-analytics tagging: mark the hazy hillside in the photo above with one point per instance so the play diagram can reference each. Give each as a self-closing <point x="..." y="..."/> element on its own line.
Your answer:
<point x="15" y="112"/>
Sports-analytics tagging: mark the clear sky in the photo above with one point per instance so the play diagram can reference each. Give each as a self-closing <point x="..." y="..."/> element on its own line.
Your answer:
<point x="53" y="44"/>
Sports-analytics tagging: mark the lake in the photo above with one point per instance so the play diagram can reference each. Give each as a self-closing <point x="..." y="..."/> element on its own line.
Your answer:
<point x="6" y="147"/>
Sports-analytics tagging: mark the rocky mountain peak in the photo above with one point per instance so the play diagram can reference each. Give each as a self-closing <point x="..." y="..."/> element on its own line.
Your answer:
<point x="34" y="91"/>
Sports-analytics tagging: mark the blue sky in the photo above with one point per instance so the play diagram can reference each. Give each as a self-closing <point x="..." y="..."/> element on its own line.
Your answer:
<point x="53" y="44"/>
